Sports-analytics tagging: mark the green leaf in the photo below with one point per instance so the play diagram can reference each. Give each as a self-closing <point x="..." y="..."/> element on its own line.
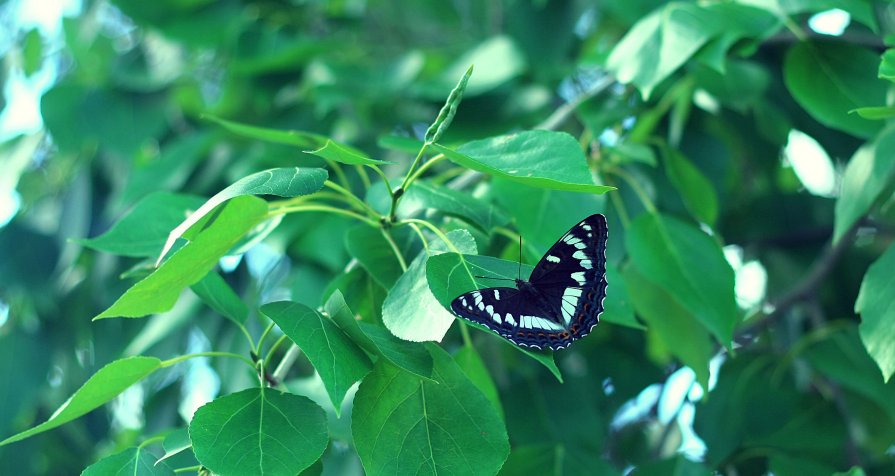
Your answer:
<point x="617" y="305"/>
<point x="469" y="360"/>
<point x="159" y="291"/>
<point x="406" y="425"/>
<point x="675" y="327"/>
<point x="843" y="358"/>
<point x="259" y="431"/>
<point x="663" y="41"/>
<point x="887" y="65"/>
<point x="696" y="191"/>
<point x="373" y="252"/>
<point x="853" y="471"/>
<point x="282" y="182"/>
<point x="690" y="266"/>
<point x="337" y="359"/>
<point x="176" y="442"/>
<point x="477" y="212"/>
<point x="860" y="10"/>
<point x="676" y="466"/>
<point x="555" y="459"/>
<point x="538" y="158"/>
<point x="867" y="175"/>
<point x="830" y="79"/>
<point x="133" y="461"/>
<point x="218" y="295"/>
<point x="101" y="387"/>
<point x="881" y="112"/>
<point x="142" y="232"/>
<point x="344" y="154"/>
<point x="448" y="278"/>
<point x="410" y="311"/>
<point x="877" y="310"/>
<point x="294" y="138"/>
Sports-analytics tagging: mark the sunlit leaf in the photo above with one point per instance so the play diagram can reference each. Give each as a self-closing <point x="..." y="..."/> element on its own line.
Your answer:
<point x="134" y="461"/>
<point x="869" y="172"/>
<point x="877" y="311"/>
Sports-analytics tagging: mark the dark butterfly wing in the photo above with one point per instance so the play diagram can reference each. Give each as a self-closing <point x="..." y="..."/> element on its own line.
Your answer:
<point x="569" y="286"/>
<point x="511" y="315"/>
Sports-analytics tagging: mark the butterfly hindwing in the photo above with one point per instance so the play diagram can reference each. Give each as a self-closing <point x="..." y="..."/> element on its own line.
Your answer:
<point x="562" y="300"/>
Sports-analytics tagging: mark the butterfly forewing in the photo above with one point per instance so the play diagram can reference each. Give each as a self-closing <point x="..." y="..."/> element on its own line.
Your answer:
<point x="565" y="300"/>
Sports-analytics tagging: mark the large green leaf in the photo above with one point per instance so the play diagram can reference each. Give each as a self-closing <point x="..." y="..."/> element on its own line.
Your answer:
<point x="696" y="191"/>
<point x="450" y="275"/>
<point x="344" y="154"/>
<point x="469" y="360"/>
<point x="483" y="215"/>
<point x="259" y="431"/>
<point x="377" y="340"/>
<point x="537" y="158"/>
<point x="142" y="232"/>
<point x="282" y="182"/>
<point x="277" y="136"/>
<point x="690" y="266"/>
<point x="664" y="40"/>
<point x="867" y="175"/>
<point x="132" y="461"/>
<point x="410" y="311"/>
<point x="337" y="359"/>
<point x="101" y="387"/>
<point x="680" y="334"/>
<point x="406" y="425"/>
<point x="877" y="309"/>
<point x="218" y="295"/>
<point x="159" y="291"/>
<point x="830" y="79"/>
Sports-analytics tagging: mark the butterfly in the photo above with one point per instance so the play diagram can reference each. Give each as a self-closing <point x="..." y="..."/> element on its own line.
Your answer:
<point x="562" y="300"/>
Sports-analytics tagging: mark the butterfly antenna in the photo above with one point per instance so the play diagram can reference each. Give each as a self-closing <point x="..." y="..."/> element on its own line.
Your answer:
<point x="519" y="271"/>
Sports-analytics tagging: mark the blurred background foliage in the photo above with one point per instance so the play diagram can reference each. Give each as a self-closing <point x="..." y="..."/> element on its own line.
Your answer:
<point x="740" y="132"/>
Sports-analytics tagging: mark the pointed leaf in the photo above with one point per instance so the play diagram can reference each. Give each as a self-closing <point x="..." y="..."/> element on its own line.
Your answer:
<point x="690" y="266"/>
<point x="344" y="154"/>
<point x="282" y="182"/>
<point x="218" y="295"/>
<point x="103" y="386"/>
<point x="176" y="442"/>
<point x="867" y="175"/>
<point x="681" y="335"/>
<point x="132" y="461"/>
<point x="538" y="158"/>
<point x="406" y="425"/>
<point x="829" y="79"/>
<point x="696" y="191"/>
<point x="877" y="311"/>
<point x="259" y="431"/>
<point x="159" y="291"/>
<point x="485" y="216"/>
<point x="142" y="232"/>
<point x="337" y="359"/>
<point x="277" y="136"/>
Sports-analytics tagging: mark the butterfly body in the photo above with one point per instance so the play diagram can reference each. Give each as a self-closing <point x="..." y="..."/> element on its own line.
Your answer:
<point x="561" y="301"/>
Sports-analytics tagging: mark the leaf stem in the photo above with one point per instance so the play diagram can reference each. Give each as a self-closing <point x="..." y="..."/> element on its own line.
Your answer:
<point x="189" y="469"/>
<point x="283" y="367"/>
<point x="423" y="239"/>
<point x="364" y="176"/>
<point x="273" y="348"/>
<point x="352" y="198"/>
<point x="181" y="358"/>
<point x="263" y="337"/>
<point x="429" y="163"/>
<point x="340" y="174"/>
<point x="630" y="180"/>
<point x="150" y="441"/>
<point x="397" y="251"/>
<point x="407" y="179"/>
<point x="322" y="208"/>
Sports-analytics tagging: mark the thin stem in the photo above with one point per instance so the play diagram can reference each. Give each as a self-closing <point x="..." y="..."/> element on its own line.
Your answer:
<point x="395" y="249"/>
<point x="447" y="241"/>
<point x="273" y="349"/>
<point x="189" y="469"/>
<point x="419" y="233"/>
<point x="406" y="182"/>
<point x="263" y="337"/>
<point x="383" y="177"/>
<point x="283" y="368"/>
<point x="150" y="441"/>
<point x="364" y="176"/>
<point x="464" y="332"/>
<point x="340" y="174"/>
<point x="564" y="111"/>
<point x="322" y="208"/>
<point x="630" y="180"/>
<point x="352" y="198"/>
<point x="178" y="359"/>
<point x="429" y="163"/>
<point x="619" y="205"/>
